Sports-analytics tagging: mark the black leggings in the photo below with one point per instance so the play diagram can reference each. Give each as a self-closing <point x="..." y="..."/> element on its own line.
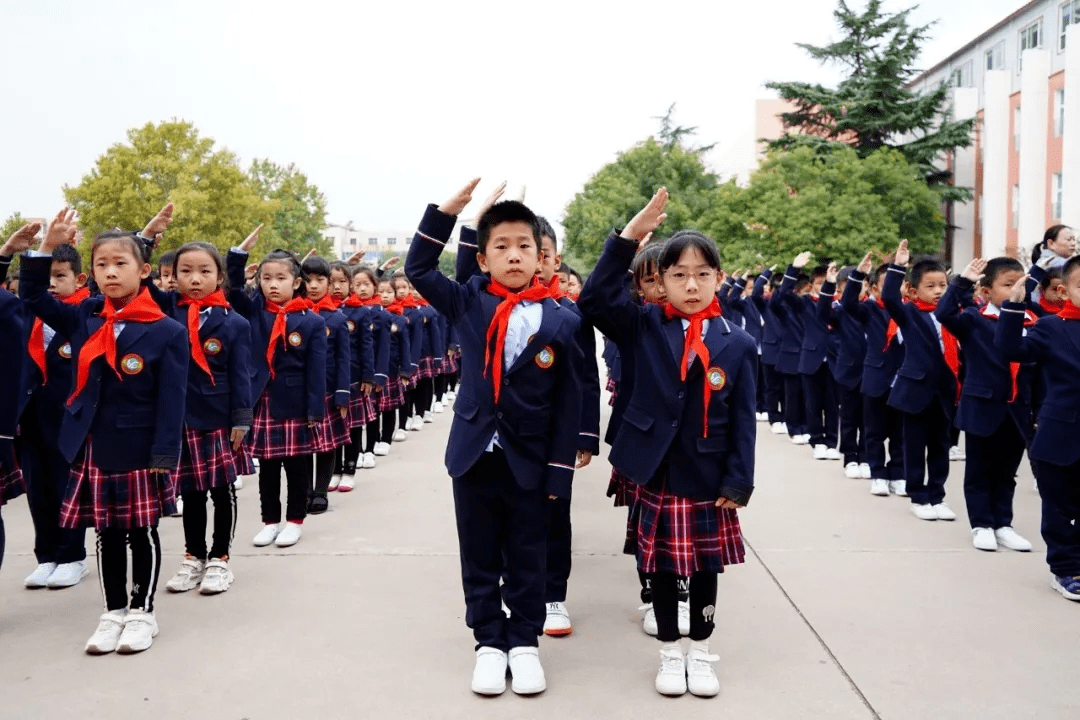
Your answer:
<point x="440" y="386"/>
<point x="112" y="552"/>
<point x="298" y="474"/>
<point x="224" y="499"/>
<point x="646" y="588"/>
<point x="349" y="454"/>
<point x="389" y="424"/>
<point x="3" y="541"/>
<point x="665" y="596"/>
<point x="451" y="381"/>
<point x="324" y="472"/>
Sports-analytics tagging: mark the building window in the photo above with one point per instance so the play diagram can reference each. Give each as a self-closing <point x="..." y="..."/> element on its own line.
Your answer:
<point x="1068" y="13"/>
<point x="1058" y="195"/>
<point x="995" y="57"/>
<point x="391" y="241"/>
<point x="1016" y="206"/>
<point x="329" y="238"/>
<point x="353" y="241"/>
<point x="1030" y="37"/>
<point x="1016" y="128"/>
<point x="1059" y="112"/>
<point x="962" y="76"/>
<point x="373" y="241"/>
<point x="408" y="241"/>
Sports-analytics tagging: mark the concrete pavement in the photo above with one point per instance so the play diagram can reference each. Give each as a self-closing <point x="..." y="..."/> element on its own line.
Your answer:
<point x="847" y="607"/>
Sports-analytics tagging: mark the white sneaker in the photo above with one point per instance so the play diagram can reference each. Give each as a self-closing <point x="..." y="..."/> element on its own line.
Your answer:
<point x="864" y="471"/>
<point x="1009" y="538"/>
<point x="800" y="440"/>
<point x="188" y="576"/>
<point x="851" y="470"/>
<point x="289" y="534"/>
<point x="140" y="629"/>
<point x="648" y="624"/>
<point x="107" y="636"/>
<point x="924" y="512"/>
<point x="983" y="539"/>
<point x="489" y="673"/>
<point x="437" y="406"/>
<point x="700" y="676"/>
<point x="218" y="577"/>
<point x="879" y="487"/>
<point x="671" y="677"/>
<point x="179" y="507"/>
<point x="369" y="460"/>
<point x="417" y="424"/>
<point x="334" y="482"/>
<point x="400" y="435"/>
<point x="267" y="535"/>
<point x="684" y="617"/>
<point x="382" y="449"/>
<point x="898" y="487"/>
<point x="347" y="484"/>
<point x="526" y="672"/>
<point x="778" y="429"/>
<point x="239" y="484"/>
<point x="39" y="576"/>
<point x="833" y="454"/>
<point x="944" y="512"/>
<point x="762" y="417"/>
<point x="450" y="395"/>
<point x="557" y="623"/>
<point x="429" y="417"/>
<point x="821" y="452"/>
<point x="956" y="454"/>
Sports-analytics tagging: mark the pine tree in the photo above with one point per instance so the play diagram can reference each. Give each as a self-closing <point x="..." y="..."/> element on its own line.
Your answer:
<point x="871" y="108"/>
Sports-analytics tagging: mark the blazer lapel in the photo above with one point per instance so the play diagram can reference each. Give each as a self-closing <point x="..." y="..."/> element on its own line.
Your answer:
<point x="676" y="338"/>
<point x="549" y="324"/>
<point x="213" y="322"/>
<point x="128" y="336"/>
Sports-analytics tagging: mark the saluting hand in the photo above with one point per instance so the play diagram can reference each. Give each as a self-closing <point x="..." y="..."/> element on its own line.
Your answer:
<point x="21" y="240"/>
<point x="159" y="223"/>
<point x="61" y="231"/>
<point x="250" y="240"/>
<point x="974" y="270"/>
<point x="648" y="218"/>
<point x="1018" y="294"/>
<point x="460" y="199"/>
<point x="903" y="254"/>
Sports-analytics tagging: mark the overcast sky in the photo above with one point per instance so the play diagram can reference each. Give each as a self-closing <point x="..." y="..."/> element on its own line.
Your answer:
<point x="390" y="105"/>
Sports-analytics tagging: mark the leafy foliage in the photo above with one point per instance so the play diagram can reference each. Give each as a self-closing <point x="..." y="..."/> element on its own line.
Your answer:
<point x="10" y="225"/>
<point x="298" y="208"/>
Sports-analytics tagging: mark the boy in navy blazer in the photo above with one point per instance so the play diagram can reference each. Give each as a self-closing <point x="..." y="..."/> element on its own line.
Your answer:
<point x="770" y="351"/>
<point x="514" y="439"/>
<point x="789" y="333"/>
<point x="848" y="343"/>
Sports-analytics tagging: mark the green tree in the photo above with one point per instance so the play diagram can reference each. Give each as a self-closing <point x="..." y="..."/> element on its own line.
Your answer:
<point x="297" y="208"/>
<point x="872" y="108"/>
<point x="169" y="162"/>
<point x="10" y="225"/>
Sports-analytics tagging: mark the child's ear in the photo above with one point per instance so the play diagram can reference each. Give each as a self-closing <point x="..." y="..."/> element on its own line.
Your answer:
<point x="296" y="283"/>
<point x="481" y="260"/>
<point x="146" y="270"/>
<point x="80" y="280"/>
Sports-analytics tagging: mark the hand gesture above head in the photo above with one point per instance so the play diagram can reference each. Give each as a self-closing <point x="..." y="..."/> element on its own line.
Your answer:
<point x="21" y="240"/>
<point x="250" y="240"/>
<point x="310" y="254"/>
<point x="391" y="263"/>
<point x="903" y="255"/>
<point x="61" y="231"/>
<point x="831" y="273"/>
<point x="867" y="263"/>
<point x="1018" y="294"/>
<point x="460" y="199"/>
<point x="974" y="270"/>
<point x="355" y="258"/>
<point x="802" y="259"/>
<point x="160" y="222"/>
<point x="648" y="218"/>
<point x="250" y="270"/>
<point x="491" y="199"/>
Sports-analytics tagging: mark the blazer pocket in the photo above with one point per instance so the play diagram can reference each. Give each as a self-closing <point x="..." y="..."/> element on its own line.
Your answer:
<point x="711" y="444"/>
<point x="978" y="391"/>
<point x="637" y="418"/>
<point x="466" y="408"/>
<point x="1061" y="414"/>
<point x="911" y="374"/>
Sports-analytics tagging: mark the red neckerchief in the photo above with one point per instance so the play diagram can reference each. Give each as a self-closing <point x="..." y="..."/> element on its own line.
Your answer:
<point x="499" y="321"/>
<point x="327" y="303"/>
<point x="1053" y="308"/>
<point x="949" y="342"/>
<point x="421" y="302"/>
<point x="142" y="309"/>
<point x="1069" y="311"/>
<point x="890" y="332"/>
<point x="353" y="301"/>
<point x="409" y="302"/>
<point x="1014" y="367"/>
<point x="396" y="307"/>
<point x="195" y="306"/>
<point x="36" y="346"/>
<point x="555" y="289"/>
<point x="573" y="296"/>
<point x="371" y="301"/>
<point x="297" y="304"/>
<point x="693" y="341"/>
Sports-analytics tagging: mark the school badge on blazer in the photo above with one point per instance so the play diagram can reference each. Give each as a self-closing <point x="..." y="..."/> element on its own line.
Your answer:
<point x="351" y="325"/>
<point x="545" y="358"/>
<point x="132" y="364"/>
<point x="212" y="346"/>
<point x="393" y="328"/>
<point x="717" y="378"/>
<point x="295" y="339"/>
<point x="65" y="351"/>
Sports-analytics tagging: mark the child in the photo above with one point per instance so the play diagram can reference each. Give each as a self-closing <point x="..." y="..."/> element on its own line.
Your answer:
<point x="217" y="418"/>
<point x="573" y="284"/>
<point x="288" y="354"/>
<point x="399" y="369"/>
<point x="409" y="415"/>
<point x="513" y="441"/>
<point x="123" y="423"/>
<point x="995" y="401"/>
<point x="12" y="360"/>
<point x="927" y="383"/>
<point x="742" y="303"/>
<point x="1050" y="289"/>
<point x="368" y="359"/>
<point x="789" y="340"/>
<point x="166" y="271"/>
<point x="849" y="339"/>
<point x="771" y="329"/>
<point x="1052" y="344"/>
<point x="333" y="432"/>
<point x="687" y="437"/>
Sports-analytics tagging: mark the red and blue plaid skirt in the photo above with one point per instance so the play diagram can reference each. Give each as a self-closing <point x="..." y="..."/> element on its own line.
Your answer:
<point x="427" y="367"/>
<point x="271" y="439"/>
<point x="613" y="388"/>
<point x="244" y="465"/>
<point x="452" y="363"/>
<point x="206" y="461"/>
<point x="393" y="395"/>
<point x="361" y="408"/>
<point x="682" y="536"/>
<point x="333" y="431"/>
<point x="622" y="488"/>
<point x="11" y="482"/>
<point x="134" y="499"/>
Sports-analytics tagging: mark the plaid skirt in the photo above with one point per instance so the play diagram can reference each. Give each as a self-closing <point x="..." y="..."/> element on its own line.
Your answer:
<point x="613" y="388"/>
<point x="622" y="488"/>
<point x="427" y="367"/>
<point x="244" y="465"/>
<point x="271" y="439"/>
<point x="682" y="536"/>
<point x="333" y="431"/>
<point x="393" y="395"/>
<point x="452" y="363"/>
<point x="134" y="499"/>
<point x="11" y="483"/>
<point x="206" y="461"/>
<point x="361" y="408"/>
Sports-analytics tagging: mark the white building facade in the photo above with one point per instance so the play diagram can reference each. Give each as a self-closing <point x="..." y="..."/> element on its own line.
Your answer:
<point x="348" y="240"/>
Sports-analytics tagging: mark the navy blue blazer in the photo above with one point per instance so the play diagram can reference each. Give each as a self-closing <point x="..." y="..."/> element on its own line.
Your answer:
<point x="1054" y="345"/>
<point x="414" y="319"/>
<point x="661" y="430"/>
<point x="298" y="389"/>
<point x="749" y="311"/>
<point x="846" y="334"/>
<point x="400" y="358"/>
<point x="338" y="357"/>
<point x="49" y="398"/>
<point x="366" y="364"/>
<point x="879" y="365"/>
<point x="771" y="328"/>
<point x="136" y="419"/>
<point x="540" y="401"/>
<point x="12" y="361"/>
<point x="923" y="376"/>
<point x="984" y="396"/>
<point x="815" y="332"/>
<point x="226" y="401"/>
<point x="790" y="326"/>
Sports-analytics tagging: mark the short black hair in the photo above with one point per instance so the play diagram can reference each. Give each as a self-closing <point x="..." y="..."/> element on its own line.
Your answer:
<point x="118" y="236"/>
<point x="343" y="267"/>
<point x="1052" y="274"/>
<point x="819" y="272"/>
<point x="167" y="259"/>
<point x="290" y="260"/>
<point x="546" y="229"/>
<point x="878" y="272"/>
<point x="921" y="268"/>
<point x="684" y="240"/>
<point x="316" y="265"/>
<point x="646" y="262"/>
<point x="802" y="281"/>
<point x="505" y="212"/>
<point x="68" y="254"/>
<point x="998" y="265"/>
<point x="1071" y="265"/>
<point x="845" y="274"/>
<point x="223" y="276"/>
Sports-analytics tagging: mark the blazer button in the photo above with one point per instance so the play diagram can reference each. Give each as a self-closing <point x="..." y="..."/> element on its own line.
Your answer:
<point x="498" y="415"/>
<point x="681" y="395"/>
<point x="674" y="423"/>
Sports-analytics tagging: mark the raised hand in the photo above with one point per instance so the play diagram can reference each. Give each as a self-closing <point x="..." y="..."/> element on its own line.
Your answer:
<point x="21" y="240"/>
<point x="802" y="259"/>
<point x="491" y="199"/>
<point x="903" y="255"/>
<point x="831" y="273"/>
<point x="391" y="263"/>
<point x="250" y="240"/>
<point x="250" y="270"/>
<point x="460" y="199"/>
<point x="974" y="270"/>
<point x="644" y="241"/>
<point x="648" y="218"/>
<point x="160" y="222"/>
<point x="867" y="263"/>
<point x="355" y="258"/>
<point x="1018" y="294"/>
<point x="310" y="254"/>
<point x="61" y="231"/>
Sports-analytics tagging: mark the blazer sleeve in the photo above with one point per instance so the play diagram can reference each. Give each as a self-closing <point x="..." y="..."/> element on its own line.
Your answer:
<point x="589" y="435"/>
<point x="777" y="303"/>
<point x="1010" y="340"/>
<point x="849" y="299"/>
<point x="757" y="296"/>
<point x="559" y="476"/>
<point x="737" y="484"/>
<point x="34" y="290"/>
<point x="890" y="294"/>
<point x="11" y="326"/>
<point x="466" y="265"/>
<point x="380" y="351"/>
<point x="240" y="400"/>
<point x="604" y="301"/>
<point x="343" y="365"/>
<point x="950" y="309"/>
<point x="171" y="403"/>
<point x="315" y="370"/>
<point x="235" y="261"/>
<point x="422" y="264"/>
<point x="824" y="308"/>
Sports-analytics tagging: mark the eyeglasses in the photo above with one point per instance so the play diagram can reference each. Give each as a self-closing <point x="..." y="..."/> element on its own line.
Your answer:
<point x="677" y="277"/>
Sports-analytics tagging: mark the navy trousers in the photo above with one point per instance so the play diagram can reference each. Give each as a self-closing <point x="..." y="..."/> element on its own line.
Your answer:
<point x="502" y="532"/>
<point x="47" y="476"/>
<point x="774" y="392"/>
<point x="990" y="475"/>
<point x="852" y="436"/>
<point x="794" y="407"/>
<point x="927" y="437"/>
<point x="1059" y="486"/>
<point x="558" y="549"/>
<point x="822" y="407"/>
<point x="883" y="424"/>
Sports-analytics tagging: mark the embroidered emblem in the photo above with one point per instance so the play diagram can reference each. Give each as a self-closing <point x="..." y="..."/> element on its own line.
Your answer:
<point x="132" y="364"/>
<point x="351" y="325"/>
<point x="294" y="339"/>
<point x="65" y="351"/>
<point x="212" y="346"/>
<point x="717" y="378"/>
<point x="708" y="612"/>
<point x="545" y="358"/>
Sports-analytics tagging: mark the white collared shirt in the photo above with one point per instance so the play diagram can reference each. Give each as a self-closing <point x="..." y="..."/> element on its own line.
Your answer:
<point x="524" y="322"/>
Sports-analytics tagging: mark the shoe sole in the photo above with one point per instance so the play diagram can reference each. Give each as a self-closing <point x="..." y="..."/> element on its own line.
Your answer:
<point x="559" y="632"/>
<point x="489" y="692"/>
<point x="177" y="591"/>
<point x="82" y="577"/>
<point x="129" y="650"/>
<point x="528" y="691"/>
<point x="345" y="489"/>
<point x="207" y="591"/>
<point x="1064" y="593"/>
<point x="98" y="651"/>
<point x="671" y="693"/>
